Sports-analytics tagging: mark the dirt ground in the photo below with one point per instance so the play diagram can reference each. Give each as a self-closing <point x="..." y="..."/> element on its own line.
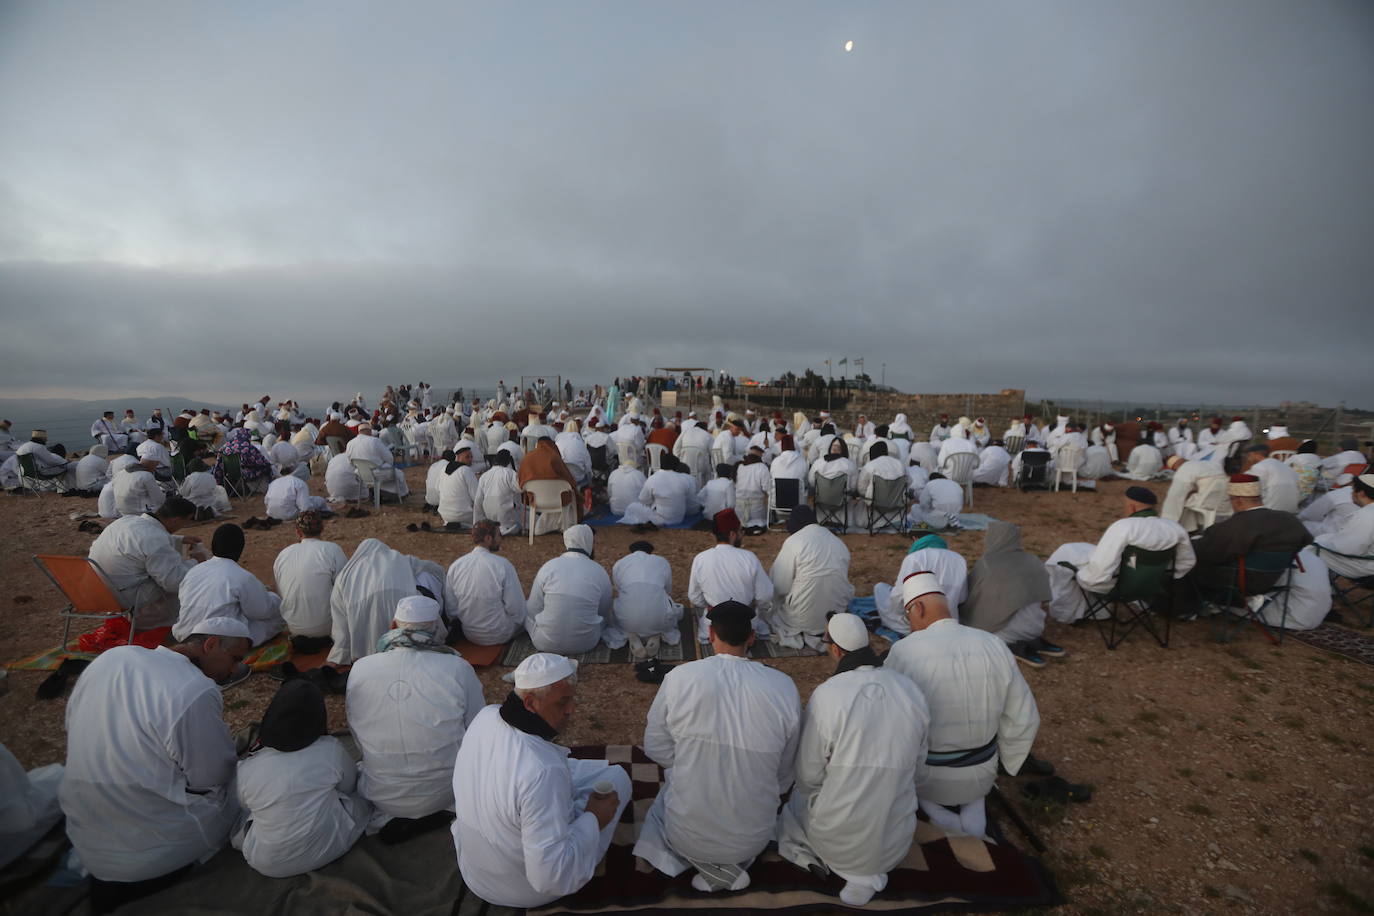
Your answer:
<point x="1228" y="778"/>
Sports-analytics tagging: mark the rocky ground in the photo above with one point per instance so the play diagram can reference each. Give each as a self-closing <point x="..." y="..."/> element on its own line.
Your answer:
<point x="1227" y="778"/>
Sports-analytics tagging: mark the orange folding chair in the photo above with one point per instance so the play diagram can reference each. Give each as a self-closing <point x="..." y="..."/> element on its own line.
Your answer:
<point x="88" y="595"/>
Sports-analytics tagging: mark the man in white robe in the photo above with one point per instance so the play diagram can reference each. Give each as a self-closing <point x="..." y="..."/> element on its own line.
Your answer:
<point x="93" y="470"/>
<point x="341" y="480"/>
<point x="993" y="463"/>
<point x="498" y="496"/>
<point x="104" y="431"/>
<point x="719" y="492"/>
<point x="693" y="448"/>
<point x="928" y="553"/>
<point x="957" y="443"/>
<point x="136" y="490"/>
<point x="458" y="489"/>
<point x="434" y="477"/>
<point x="1278" y="482"/>
<point x="723" y="728"/>
<point x="51" y="464"/>
<point x="366" y="592"/>
<point x="941" y="502"/>
<point x="573" y="448"/>
<point x="1181" y="439"/>
<point x="1105" y="436"/>
<point x="140" y="556"/>
<point x="880" y="466"/>
<point x="408" y="706"/>
<point x="810" y="580"/>
<point x="1197" y="486"/>
<point x="623" y="487"/>
<point x="789" y="464"/>
<point x="940" y="431"/>
<point x="483" y="591"/>
<point x="1144" y="462"/>
<point x="853" y="810"/>
<point x="727" y="572"/>
<point x="644" y="612"/>
<point x="304" y="573"/>
<point x="367" y="447"/>
<point x="570" y="599"/>
<point x="926" y="455"/>
<point x="220" y="587"/>
<point x="982" y="712"/>
<point x="289" y="496"/>
<point x="665" y="498"/>
<point x="1329" y="513"/>
<point x="1335" y="465"/>
<point x="752" y="486"/>
<point x="1224" y="443"/>
<point x="148" y="788"/>
<point x="1356" y="537"/>
<point x="532" y="823"/>
<point x="1095" y="565"/>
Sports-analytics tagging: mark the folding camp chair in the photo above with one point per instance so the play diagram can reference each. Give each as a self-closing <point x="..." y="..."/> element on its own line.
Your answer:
<point x="888" y="505"/>
<point x="368" y="474"/>
<point x="1067" y="460"/>
<point x="601" y="468"/>
<point x="831" y="505"/>
<point x="546" y="497"/>
<point x="783" y="496"/>
<point x="232" y="471"/>
<point x="179" y="467"/>
<point x="82" y="582"/>
<point x="959" y="468"/>
<point x="1142" y="578"/>
<point x="1034" y="471"/>
<point x="33" y="482"/>
<point x="1255" y="574"/>
<point x="1344" y="593"/>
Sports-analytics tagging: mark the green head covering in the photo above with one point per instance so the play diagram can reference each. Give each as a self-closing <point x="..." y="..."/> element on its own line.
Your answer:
<point x="930" y="540"/>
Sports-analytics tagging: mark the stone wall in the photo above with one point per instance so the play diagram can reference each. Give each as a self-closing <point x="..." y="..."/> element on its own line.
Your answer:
<point x="922" y="410"/>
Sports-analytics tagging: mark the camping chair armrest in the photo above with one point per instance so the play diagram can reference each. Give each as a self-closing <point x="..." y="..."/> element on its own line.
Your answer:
<point x="1318" y="548"/>
<point x="1067" y="565"/>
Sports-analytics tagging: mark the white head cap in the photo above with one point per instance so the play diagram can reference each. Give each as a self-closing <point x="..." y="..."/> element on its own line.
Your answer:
<point x="848" y="632"/>
<point x="541" y="670"/>
<point x="918" y="584"/>
<point x="578" y="537"/>
<point x="417" y="609"/>
<point x="224" y="627"/>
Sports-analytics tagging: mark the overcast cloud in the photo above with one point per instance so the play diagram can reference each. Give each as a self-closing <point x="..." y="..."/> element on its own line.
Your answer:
<point x="1158" y="199"/>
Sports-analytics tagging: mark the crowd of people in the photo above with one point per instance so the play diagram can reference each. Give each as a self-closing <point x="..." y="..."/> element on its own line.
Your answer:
<point x="154" y="782"/>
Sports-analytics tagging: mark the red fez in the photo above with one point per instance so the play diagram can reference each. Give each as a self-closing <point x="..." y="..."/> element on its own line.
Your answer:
<point x="677" y="415"/>
<point x="726" y="521"/>
<point x="787" y="443"/>
<point x="1244" y="478"/>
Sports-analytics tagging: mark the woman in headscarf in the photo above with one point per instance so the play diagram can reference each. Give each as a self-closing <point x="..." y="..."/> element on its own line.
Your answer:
<point x="1005" y="591"/>
<point x="929" y="554"/>
<point x="297" y="788"/>
<point x="254" y="467"/>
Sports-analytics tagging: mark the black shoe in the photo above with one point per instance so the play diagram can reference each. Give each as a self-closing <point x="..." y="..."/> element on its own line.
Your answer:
<point x="400" y="829"/>
<point x="1047" y="648"/>
<point x="1026" y="655"/>
<point x="1034" y="766"/>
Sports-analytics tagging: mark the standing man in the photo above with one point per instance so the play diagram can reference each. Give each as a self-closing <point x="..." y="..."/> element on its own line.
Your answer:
<point x="725" y="729"/>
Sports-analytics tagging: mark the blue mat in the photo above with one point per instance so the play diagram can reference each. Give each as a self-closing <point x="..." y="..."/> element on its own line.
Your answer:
<point x="968" y="521"/>
<point x="867" y="609"/>
<point x="606" y="519"/>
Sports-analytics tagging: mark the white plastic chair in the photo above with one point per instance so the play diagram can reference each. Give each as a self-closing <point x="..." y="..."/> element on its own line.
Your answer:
<point x="528" y="443"/>
<point x="1067" y="460"/>
<point x="545" y="497"/>
<point x="856" y="449"/>
<point x="959" y="468"/>
<point x="1013" y="444"/>
<point x="656" y="452"/>
<point x="717" y="458"/>
<point x="367" y="473"/>
<point x="626" y="453"/>
<point x="695" y="459"/>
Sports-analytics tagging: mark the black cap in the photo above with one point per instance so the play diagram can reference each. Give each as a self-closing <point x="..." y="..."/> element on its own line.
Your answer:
<point x="730" y="611"/>
<point x="295" y="718"/>
<point x="1142" y="495"/>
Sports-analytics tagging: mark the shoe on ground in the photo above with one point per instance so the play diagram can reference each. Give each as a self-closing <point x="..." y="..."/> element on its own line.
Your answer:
<point x="1026" y="655"/>
<point x="1049" y="649"/>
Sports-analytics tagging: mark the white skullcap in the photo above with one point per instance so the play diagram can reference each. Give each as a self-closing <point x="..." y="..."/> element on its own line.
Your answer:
<point x="224" y="627"/>
<point x="417" y="609"/>
<point x="848" y="632"/>
<point x="578" y="537"/>
<point x="918" y="584"/>
<point x="541" y="670"/>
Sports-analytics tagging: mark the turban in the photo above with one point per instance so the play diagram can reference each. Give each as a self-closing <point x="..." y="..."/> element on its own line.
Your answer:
<point x="1244" y="485"/>
<point x="417" y="609"/>
<point x="918" y="585"/>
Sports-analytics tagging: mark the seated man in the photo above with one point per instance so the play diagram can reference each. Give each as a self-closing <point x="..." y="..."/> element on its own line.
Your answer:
<point x="367" y="447"/>
<point x="789" y="464"/>
<point x="719" y="492"/>
<point x="1251" y="527"/>
<point x="29" y="808"/>
<point x="341" y="480"/>
<point x="570" y="598"/>
<point x="941" y="502"/>
<point x="498" y="495"/>
<point x="104" y="431"/>
<point x="623" y="487"/>
<point x="305" y="573"/>
<point x="752" y="484"/>
<point x="366" y="592"/>
<point x="810" y="580"/>
<point x="993" y="463"/>
<point x="931" y="553"/>
<point x="1005" y="593"/>
<point x="1330" y="512"/>
<point x="1331" y="467"/>
<point x="1201" y="483"/>
<point x="723" y="728"/>
<point x="434" y="478"/>
<point x="458" y="489"/>
<point x="982" y="712"/>
<point x="665" y="499"/>
<point x="1144" y="462"/>
<point x="1095" y="565"/>
<point x="93" y="470"/>
<point x="544" y="462"/>
<point x="154" y="449"/>
<point x="210" y="499"/>
<point x="483" y="591"/>
<point x="409" y="705"/>
<point x="533" y="823"/>
<point x="880" y="466"/>
<point x="1278" y="482"/>
<point x="853" y="811"/>
<point x="573" y="449"/>
<point x="140" y="556"/>
<point x="727" y="572"/>
<point x="220" y="587"/>
<point x="288" y="496"/>
<point x="148" y="788"/>
<point x="136" y="490"/>
<point x="51" y="463"/>
<point x="644" y="610"/>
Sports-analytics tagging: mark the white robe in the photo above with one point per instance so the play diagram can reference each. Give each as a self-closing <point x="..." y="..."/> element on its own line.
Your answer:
<point x="341" y="481"/>
<point x="810" y="580"/>
<point x="717" y="496"/>
<point x="370" y="448"/>
<point x="457" y="496"/>
<point x="575" y="456"/>
<point x="523" y="835"/>
<point x="28" y="805"/>
<point x="366" y="591"/>
<point x="569" y="604"/>
<point x="1278" y="484"/>
<point x="92" y="472"/>
<point x="304" y="573"/>
<point x="862" y="752"/>
<point x="1309" y="595"/>
<point x="498" y="499"/>
<point x="1188" y="480"/>
<point x="941" y="502"/>
<point x="1144" y="462"/>
<point x="665" y="499"/>
<point x="624" y="485"/>
<point x="993" y="463"/>
<point x="723" y="728"/>
<point x="1329" y="512"/>
<point x="144" y="566"/>
<point x="790" y="465"/>
<point x="137" y="491"/>
<point x="204" y="493"/>
<point x="287" y="497"/>
<point x="484" y="592"/>
<point x="434" y="477"/>
<point x="408" y="710"/>
<point x="301" y="809"/>
<point x="149" y="780"/>
<point x="1097" y="569"/>
<point x="975" y="693"/>
<point x="725" y="573"/>
<point x="643" y="604"/>
<point x="752" y="485"/>
<point x="949" y="567"/>
<point x="220" y="587"/>
<point x="1356" y="538"/>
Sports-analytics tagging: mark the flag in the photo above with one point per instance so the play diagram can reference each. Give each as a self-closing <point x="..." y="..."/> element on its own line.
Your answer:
<point x="827" y="362"/>
<point x="845" y="361"/>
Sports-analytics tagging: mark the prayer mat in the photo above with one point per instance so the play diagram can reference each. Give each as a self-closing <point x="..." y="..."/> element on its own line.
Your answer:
<point x="867" y="610"/>
<point x="764" y="648"/>
<point x="111" y="633"/>
<point x="1340" y="640"/>
<point x="270" y="654"/>
<point x="521" y="648"/>
<point x="601" y="521"/>
<point x="968" y="521"/>
<point x="49" y="659"/>
<point x="480" y="656"/>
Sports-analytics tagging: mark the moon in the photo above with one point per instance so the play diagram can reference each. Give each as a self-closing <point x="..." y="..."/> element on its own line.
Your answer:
<point x="849" y="45"/>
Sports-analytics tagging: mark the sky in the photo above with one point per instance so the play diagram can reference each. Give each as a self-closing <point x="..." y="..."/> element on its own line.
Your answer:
<point x="1151" y="199"/>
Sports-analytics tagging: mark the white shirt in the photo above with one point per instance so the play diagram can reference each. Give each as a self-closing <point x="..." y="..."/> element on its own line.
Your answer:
<point x="520" y="840"/>
<point x="975" y="693"/>
<point x="643" y="594"/>
<point x="790" y="465"/>
<point x="1145" y="462"/>
<point x="363" y="601"/>
<point x="136" y="491"/>
<point x="569" y="603"/>
<point x="341" y="481"/>
<point x="140" y="560"/>
<point x="717" y="496"/>
<point x="667" y="494"/>
<point x="485" y="593"/>
<point x="148" y="785"/>
<point x="92" y="472"/>
<point x="992" y="466"/>
<point x="287" y="497"/>
<point x="1278" y="484"/>
<point x="1356" y="538"/>
<point x="457" y="496"/>
<point x="1184" y="484"/>
<point x="949" y="567"/>
<point x="156" y="451"/>
<point x="433" y="478"/>
<point x="220" y="587"/>
<point x="408" y="710"/>
<point x="1329" y="512"/>
<point x="840" y="467"/>
<point x="498" y="498"/>
<point x="305" y="573"/>
<point x="726" y="573"/>
<point x="724" y="728"/>
<point x="885" y="467"/>
<point x="810" y="579"/>
<point x="1099" y="573"/>
<point x="301" y="808"/>
<point x="624" y="484"/>
<point x="942" y="496"/>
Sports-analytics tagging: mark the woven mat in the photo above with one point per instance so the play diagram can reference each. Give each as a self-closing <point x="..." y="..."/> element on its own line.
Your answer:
<point x="601" y="521"/>
<point x="762" y="648"/>
<point x="1340" y="640"/>
<point x="521" y="648"/>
